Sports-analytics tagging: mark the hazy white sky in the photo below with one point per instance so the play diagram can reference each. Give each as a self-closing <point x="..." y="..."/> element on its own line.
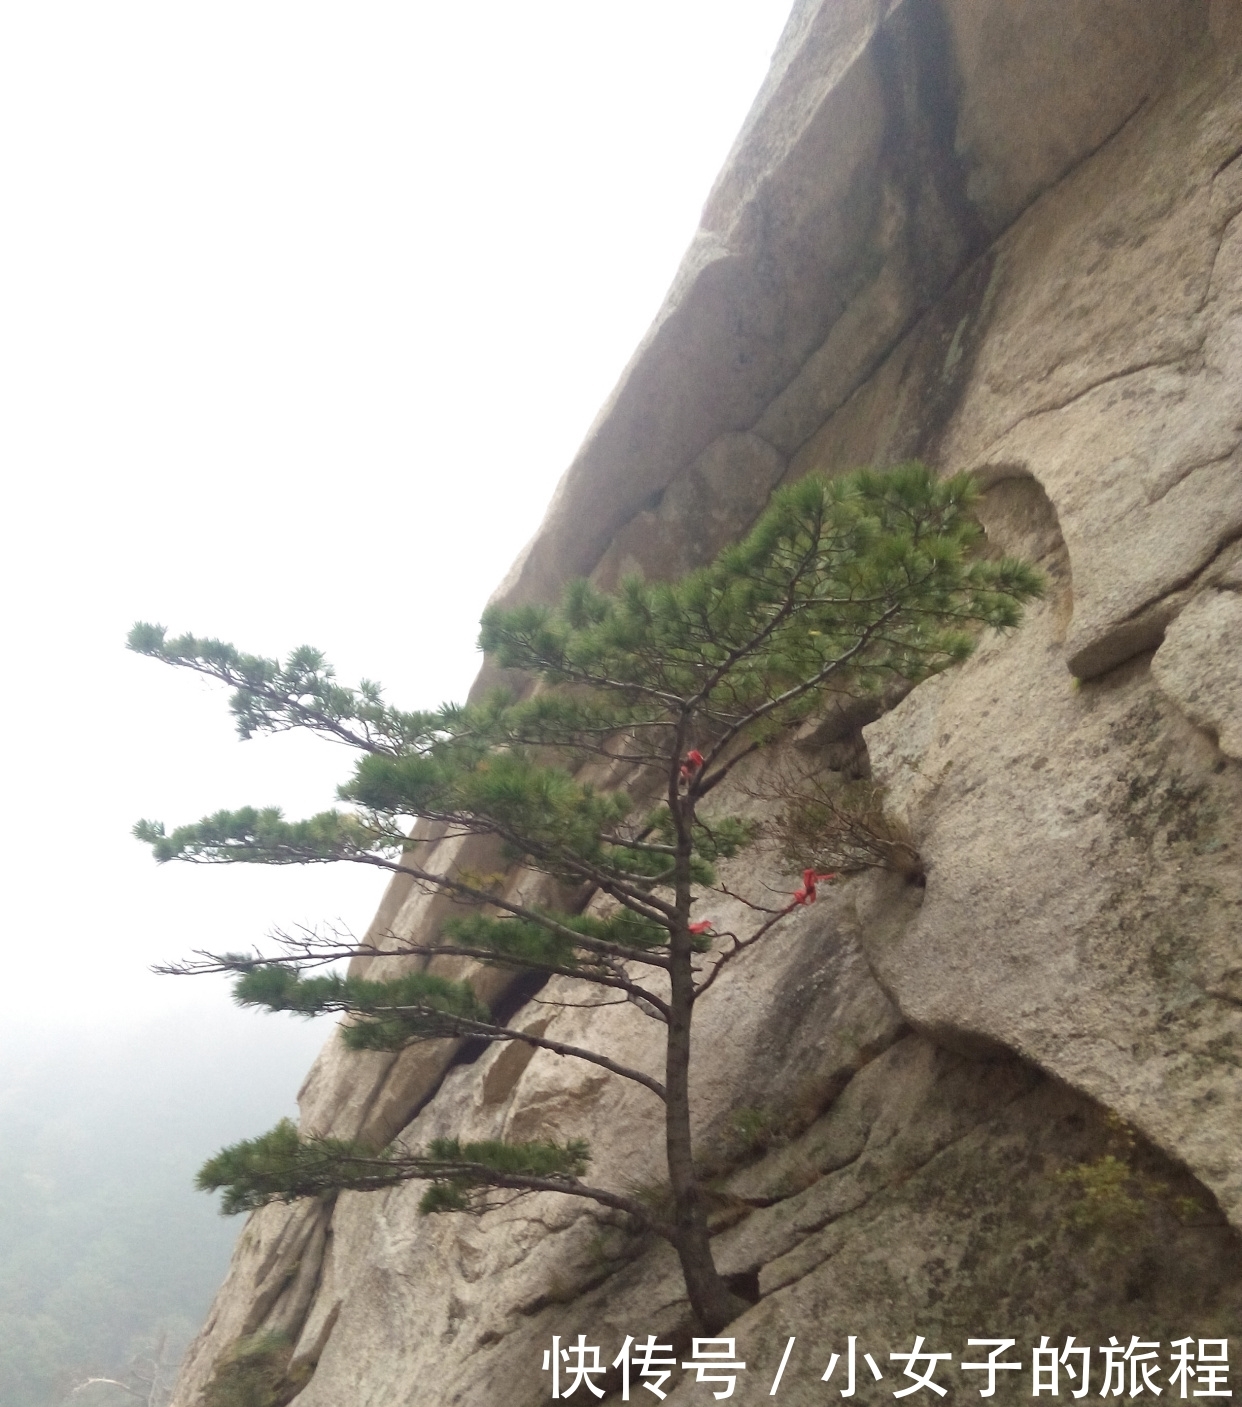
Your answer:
<point x="304" y="309"/>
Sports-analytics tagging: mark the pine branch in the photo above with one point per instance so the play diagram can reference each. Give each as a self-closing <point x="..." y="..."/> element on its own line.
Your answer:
<point x="305" y="953"/>
<point x="739" y="946"/>
<point x="789" y="696"/>
<point x="283" y="1166"/>
<point x="269" y="697"/>
<point x="594" y="976"/>
<point x="272" y="851"/>
<point x="508" y="1033"/>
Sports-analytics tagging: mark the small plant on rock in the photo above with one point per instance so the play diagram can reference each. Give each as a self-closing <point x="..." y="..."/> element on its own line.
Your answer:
<point x="842" y="825"/>
<point x="255" y="1373"/>
<point x="754" y="1130"/>
<point x="1112" y="1193"/>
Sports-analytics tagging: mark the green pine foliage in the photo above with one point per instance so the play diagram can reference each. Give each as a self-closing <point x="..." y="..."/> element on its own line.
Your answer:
<point x="536" y="1159"/>
<point x="476" y="1167"/>
<point x="390" y="1015"/>
<point x="874" y="571"/>
<point x="843" y="585"/>
<point x="269" y="697"/>
<point x="281" y="1165"/>
<point x="529" y="943"/>
<point x="246" y="834"/>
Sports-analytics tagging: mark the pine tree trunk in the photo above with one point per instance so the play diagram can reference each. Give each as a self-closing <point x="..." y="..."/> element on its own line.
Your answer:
<point x="713" y="1303"/>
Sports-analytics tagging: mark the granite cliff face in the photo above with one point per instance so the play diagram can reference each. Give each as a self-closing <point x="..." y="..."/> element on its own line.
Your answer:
<point x="1003" y="236"/>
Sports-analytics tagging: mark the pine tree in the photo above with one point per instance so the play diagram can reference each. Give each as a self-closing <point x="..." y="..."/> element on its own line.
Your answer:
<point x="845" y="585"/>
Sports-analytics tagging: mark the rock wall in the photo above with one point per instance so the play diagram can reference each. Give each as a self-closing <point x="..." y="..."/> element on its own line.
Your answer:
<point x="1000" y="235"/>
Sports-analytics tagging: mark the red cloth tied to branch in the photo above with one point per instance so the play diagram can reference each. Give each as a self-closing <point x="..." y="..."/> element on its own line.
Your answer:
<point x="806" y="895"/>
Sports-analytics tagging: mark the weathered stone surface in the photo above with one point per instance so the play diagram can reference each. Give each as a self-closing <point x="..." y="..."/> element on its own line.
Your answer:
<point x="1082" y="883"/>
<point x="1200" y="666"/>
<point x="700" y="512"/>
<point x="926" y="1200"/>
<point x="1003" y="235"/>
<point x="1022" y="126"/>
<point x="883" y="147"/>
<point x="271" y="1282"/>
<point x="952" y="1223"/>
<point x="1097" y="347"/>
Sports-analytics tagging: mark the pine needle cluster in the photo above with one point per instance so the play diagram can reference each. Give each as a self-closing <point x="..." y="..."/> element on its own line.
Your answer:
<point x="283" y="1165"/>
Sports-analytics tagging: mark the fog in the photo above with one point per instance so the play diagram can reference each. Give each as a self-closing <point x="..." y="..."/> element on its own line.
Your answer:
<point x="104" y="1245"/>
<point x="304" y="309"/>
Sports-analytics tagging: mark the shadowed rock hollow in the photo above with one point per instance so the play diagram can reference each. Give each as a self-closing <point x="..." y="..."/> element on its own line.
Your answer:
<point x="1000" y="235"/>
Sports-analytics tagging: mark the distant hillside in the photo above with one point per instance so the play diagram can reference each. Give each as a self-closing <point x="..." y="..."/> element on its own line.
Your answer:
<point x="104" y="1244"/>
